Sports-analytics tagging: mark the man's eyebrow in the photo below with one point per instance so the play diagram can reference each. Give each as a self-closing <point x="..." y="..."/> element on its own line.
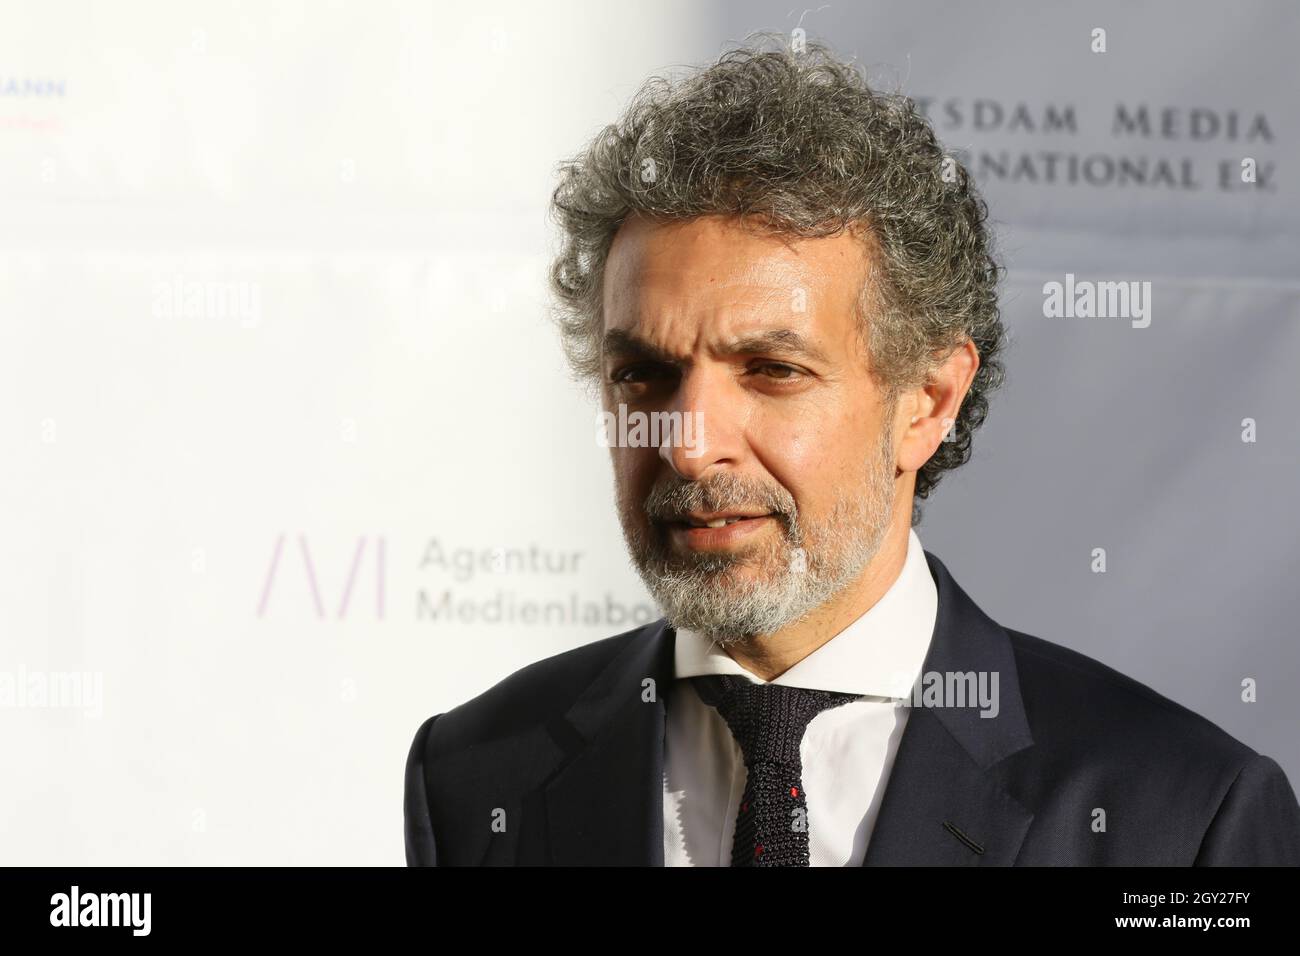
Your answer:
<point x="776" y="342"/>
<point x="620" y="343"/>
<point x="624" y="344"/>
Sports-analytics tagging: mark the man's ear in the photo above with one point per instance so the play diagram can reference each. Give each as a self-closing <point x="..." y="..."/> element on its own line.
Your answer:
<point x="928" y="413"/>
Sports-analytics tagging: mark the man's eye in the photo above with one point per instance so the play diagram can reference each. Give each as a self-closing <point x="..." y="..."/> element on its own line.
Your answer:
<point x="776" y="370"/>
<point x="634" y="374"/>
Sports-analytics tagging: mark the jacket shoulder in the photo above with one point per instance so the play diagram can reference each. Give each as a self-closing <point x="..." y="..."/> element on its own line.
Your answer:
<point x="1075" y="701"/>
<point x="531" y="695"/>
<point x="1178" y="788"/>
<point x="486" y="751"/>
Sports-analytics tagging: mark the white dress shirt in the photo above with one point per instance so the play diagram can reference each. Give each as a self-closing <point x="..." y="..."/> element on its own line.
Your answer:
<point x="847" y="751"/>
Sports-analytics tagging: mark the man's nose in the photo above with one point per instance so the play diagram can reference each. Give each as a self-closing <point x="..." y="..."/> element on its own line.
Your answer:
<point x="707" y="420"/>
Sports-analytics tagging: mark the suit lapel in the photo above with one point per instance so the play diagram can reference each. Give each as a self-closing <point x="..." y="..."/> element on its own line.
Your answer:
<point x="944" y="803"/>
<point x="604" y="806"/>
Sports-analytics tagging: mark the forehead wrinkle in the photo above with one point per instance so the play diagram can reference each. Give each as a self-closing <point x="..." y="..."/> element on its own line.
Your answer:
<point x="667" y="290"/>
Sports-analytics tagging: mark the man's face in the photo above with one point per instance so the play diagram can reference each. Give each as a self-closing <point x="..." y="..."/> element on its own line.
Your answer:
<point x="752" y="340"/>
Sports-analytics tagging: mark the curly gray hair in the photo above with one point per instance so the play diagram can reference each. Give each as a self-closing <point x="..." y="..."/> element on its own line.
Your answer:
<point x="801" y="143"/>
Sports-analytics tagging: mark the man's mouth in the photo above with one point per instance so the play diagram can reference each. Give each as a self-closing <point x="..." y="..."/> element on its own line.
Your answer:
<point x="716" y="520"/>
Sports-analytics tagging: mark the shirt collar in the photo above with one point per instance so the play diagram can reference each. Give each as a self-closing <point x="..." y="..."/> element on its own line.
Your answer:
<point x="880" y="654"/>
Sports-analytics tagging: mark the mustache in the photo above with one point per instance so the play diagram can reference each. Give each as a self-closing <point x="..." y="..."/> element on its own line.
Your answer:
<point x="671" y="500"/>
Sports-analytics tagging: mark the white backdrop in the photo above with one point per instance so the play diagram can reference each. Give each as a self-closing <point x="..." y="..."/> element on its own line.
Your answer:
<point x="293" y="461"/>
<point x="280" y="272"/>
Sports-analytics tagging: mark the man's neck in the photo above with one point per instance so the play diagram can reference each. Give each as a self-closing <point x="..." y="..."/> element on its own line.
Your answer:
<point x="768" y="656"/>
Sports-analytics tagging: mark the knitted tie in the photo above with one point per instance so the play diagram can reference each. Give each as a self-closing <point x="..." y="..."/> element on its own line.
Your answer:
<point x="768" y="721"/>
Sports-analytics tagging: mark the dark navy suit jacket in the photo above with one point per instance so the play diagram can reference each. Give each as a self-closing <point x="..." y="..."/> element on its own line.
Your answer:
<point x="561" y="763"/>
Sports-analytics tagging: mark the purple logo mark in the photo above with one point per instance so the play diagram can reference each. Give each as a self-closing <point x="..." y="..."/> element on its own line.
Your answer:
<point x="357" y="556"/>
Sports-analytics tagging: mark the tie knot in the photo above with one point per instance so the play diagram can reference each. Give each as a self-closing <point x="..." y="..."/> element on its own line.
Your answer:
<point x="767" y="720"/>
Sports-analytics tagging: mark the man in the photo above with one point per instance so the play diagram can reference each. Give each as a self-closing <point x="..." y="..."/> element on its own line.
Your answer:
<point x="785" y="259"/>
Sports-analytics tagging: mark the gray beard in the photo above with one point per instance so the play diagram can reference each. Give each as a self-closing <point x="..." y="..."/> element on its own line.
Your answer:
<point x="802" y="569"/>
